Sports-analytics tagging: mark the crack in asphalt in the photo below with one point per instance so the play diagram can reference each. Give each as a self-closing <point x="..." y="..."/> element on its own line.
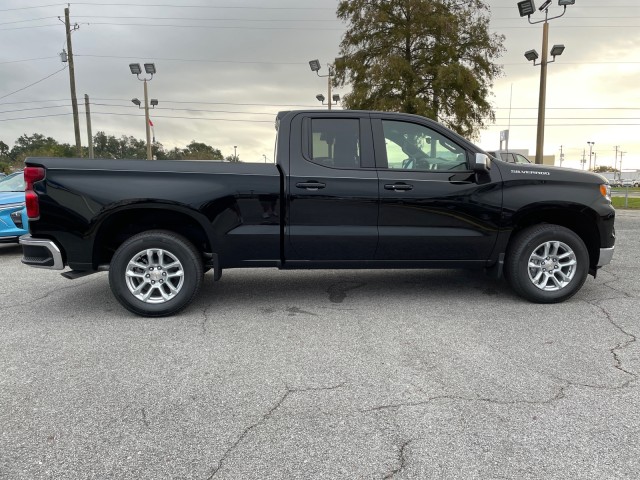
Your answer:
<point x="620" y="346"/>
<point x="50" y="292"/>
<point x="145" y="420"/>
<point x="265" y="417"/>
<point x="205" y="321"/>
<point x="402" y="461"/>
<point x="395" y="406"/>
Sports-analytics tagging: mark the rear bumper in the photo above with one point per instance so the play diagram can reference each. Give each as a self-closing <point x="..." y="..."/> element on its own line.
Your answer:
<point x="41" y="253"/>
<point x="606" y="255"/>
<point x="12" y="239"/>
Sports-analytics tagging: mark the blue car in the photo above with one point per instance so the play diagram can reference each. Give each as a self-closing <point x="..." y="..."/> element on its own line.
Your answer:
<point x="13" y="213"/>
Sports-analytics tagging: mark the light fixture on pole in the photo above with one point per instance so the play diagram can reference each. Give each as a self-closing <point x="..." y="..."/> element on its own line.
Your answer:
<point x="315" y="67"/>
<point x="336" y="98"/>
<point x="150" y="69"/>
<point x="591" y="144"/>
<point x="526" y="9"/>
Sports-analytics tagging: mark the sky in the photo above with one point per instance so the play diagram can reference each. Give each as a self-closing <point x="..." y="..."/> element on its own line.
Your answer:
<point x="226" y="67"/>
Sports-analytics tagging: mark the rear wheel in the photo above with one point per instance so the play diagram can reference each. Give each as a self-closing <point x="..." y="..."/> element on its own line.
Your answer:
<point x="155" y="273"/>
<point x="547" y="263"/>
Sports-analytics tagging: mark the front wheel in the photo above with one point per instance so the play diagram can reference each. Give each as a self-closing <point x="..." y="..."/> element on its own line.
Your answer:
<point x="547" y="263"/>
<point x="155" y="273"/>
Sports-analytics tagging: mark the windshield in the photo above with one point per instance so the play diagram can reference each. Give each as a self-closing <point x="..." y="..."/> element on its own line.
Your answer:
<point x="12" y="183"/>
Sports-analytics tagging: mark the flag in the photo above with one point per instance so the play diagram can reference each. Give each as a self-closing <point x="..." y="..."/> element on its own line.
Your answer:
<point x="153" y="130"/>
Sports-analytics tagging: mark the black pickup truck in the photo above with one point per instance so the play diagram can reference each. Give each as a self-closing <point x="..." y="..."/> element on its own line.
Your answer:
<point x="350" y="189"/>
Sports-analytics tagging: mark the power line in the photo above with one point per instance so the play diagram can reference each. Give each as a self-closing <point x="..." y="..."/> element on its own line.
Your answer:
<point x="35" y="6"/>
<point x="33" y="108"/>
<point x="35" y="116"/>
<point x="34" y="83"/>
<point x="167" y="5"/>
<point x="199" y="60"/>
<point x="23" y="21"/>
<point x="29" y="60"/>
<point x="217" y="27"/>
<point x="122" y="17"/>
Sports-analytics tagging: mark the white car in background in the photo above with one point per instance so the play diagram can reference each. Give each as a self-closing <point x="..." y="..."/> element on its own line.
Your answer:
<point x="510" y="157"/>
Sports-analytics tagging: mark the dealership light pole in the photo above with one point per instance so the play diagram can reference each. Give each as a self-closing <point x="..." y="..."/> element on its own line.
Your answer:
<point x="315" y="67"/>
<point x="150" y="69"/>
<point x="526" y="9"/>
<point x="591" y="144"/>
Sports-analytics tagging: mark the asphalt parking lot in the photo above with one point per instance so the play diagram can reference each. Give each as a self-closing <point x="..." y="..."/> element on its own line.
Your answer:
<point x="326" y="374"/>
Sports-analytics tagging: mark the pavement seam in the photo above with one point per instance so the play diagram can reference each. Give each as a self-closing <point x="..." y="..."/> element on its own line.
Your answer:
<point x="265" y="417"/>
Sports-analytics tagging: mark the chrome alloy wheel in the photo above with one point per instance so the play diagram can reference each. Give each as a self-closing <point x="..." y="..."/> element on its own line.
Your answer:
<point x="154" y="275"/>
<point x="552" y="266"/>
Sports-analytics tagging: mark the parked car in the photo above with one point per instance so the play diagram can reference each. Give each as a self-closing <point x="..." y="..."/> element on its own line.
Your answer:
<point x="627" y="182"/>
<point x="510" y="157"/>
<point x="13" y="214"/>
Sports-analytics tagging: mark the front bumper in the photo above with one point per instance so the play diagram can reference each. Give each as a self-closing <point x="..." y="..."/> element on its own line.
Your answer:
<point x="41" y="253"/>
<point x="606" y="255"/>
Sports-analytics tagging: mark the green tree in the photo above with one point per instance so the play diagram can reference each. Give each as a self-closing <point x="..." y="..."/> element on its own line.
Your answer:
<point x="603" y="168"/>
<point x="428" y="57"/>
<point x="37" y="145"/>
<point x="201" y="151"/>
<point x="108" y="146"/>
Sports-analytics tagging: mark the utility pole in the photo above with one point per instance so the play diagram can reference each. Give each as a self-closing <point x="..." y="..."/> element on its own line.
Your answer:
<point x="621" y="153"/>
<point x="584" y="158"/>
<point x="561" y="155"/>
<point x="72" y="81"/>
<point x="615" y="163"/>
<point x="89" y="135"/>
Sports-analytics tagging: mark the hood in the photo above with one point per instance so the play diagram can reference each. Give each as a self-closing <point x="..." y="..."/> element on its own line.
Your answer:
<point x="517" y="171"/>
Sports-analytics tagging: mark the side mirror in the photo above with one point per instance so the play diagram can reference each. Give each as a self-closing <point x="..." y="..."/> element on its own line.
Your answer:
<point x="482" y="163"/>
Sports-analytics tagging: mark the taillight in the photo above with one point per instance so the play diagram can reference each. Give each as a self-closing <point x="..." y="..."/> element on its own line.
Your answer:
<point x="32" y="175"/>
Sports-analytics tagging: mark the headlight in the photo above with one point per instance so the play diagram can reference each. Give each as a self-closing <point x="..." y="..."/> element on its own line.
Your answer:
<point x="605" y="190"/>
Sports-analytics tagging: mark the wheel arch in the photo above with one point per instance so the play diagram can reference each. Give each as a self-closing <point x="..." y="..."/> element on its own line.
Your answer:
<point x="582" y="221"/>
<point x="122" y="223"/>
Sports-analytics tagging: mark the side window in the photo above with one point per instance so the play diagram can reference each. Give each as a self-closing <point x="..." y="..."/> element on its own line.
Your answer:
<point x="335" y="142"/>
<point x="415" y="147"/>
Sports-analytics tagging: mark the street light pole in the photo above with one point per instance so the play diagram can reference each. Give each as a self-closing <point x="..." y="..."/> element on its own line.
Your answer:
<point x="527" y="8"/>
<point x="150" y="69"/>
<point x="315" y="67"/>
<point x="591" y="144"/>
<point x="542" y="99"/>
<point x="146" y="119"/>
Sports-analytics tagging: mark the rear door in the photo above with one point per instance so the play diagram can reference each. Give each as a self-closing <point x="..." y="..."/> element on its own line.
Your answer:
<point x="332" y="190"/>
<point x="432" y="206"/>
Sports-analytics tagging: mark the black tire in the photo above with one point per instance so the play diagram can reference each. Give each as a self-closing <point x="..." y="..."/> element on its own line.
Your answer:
<point x="160" y="265"/>
<point x="559" y="263"/>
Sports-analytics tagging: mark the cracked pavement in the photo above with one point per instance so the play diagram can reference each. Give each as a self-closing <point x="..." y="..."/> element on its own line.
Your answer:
<point x="326" y="374"/>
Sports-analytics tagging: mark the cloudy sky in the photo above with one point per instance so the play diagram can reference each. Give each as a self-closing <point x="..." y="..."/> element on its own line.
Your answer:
<point x="226" y="67"/>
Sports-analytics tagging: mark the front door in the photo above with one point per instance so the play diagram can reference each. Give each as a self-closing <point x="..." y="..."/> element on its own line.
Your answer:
<point x="432" y="207"/>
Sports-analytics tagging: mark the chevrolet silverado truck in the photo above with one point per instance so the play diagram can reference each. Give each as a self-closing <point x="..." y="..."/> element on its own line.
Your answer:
<point x="349" y="189"/>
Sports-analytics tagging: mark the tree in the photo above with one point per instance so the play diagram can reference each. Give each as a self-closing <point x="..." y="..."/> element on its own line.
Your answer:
<point x="604" y="168"/>
<point x="428" y="57"/>
<point x="37" y="145"/>
<point x="201" y="151"/>
<point x="108" y="146"/>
